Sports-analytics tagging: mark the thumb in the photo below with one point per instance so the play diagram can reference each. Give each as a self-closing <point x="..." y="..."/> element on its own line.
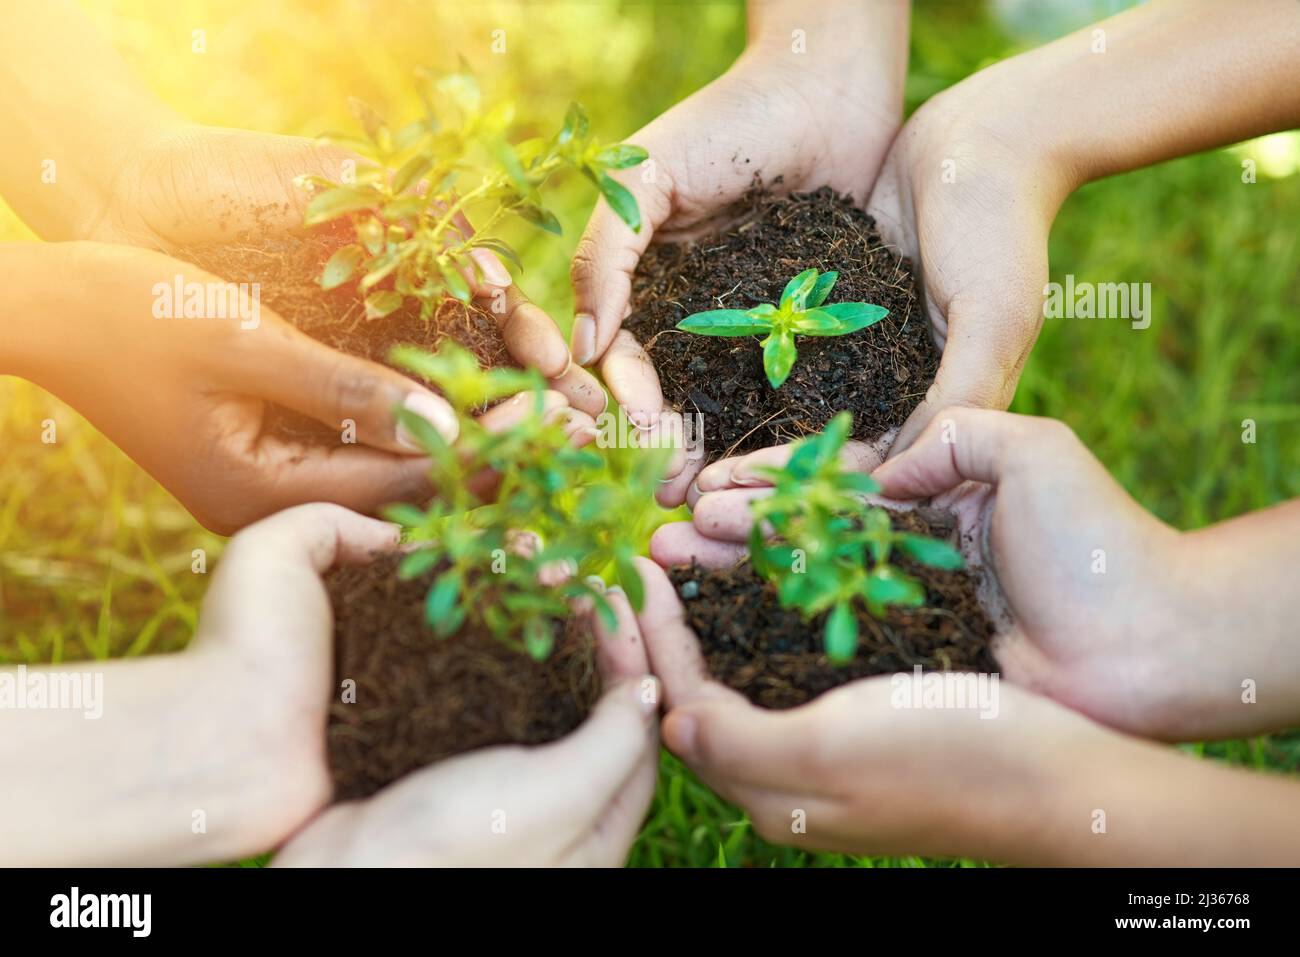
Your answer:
<point x="961" y="444"/>
<point x="981" y="363"/>
<point x="339" y="390"/>
<point x="597" y="760"/>
<point x="608" y="253"/>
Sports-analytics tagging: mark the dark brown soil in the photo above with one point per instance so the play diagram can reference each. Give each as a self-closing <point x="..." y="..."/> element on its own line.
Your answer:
<point x="420" y="698"/>
<point x="880" y="374"/>
<point x="774" y="658"/>
<point x="288" y="265"/>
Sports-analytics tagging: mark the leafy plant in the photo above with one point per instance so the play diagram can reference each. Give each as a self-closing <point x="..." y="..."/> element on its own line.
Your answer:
<point x="406" y="200"/>
<point x="801" y="311"/>
<point x="514" y="560"/>
<point x="832" y="549"/>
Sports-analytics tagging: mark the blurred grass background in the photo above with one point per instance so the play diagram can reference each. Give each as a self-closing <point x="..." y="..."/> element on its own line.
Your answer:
<point x="95" y="558"/>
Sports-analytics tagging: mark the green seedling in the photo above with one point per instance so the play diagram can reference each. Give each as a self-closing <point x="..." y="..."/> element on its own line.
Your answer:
<point x="802" y="311"/>
<point x="513" y="561"/>
<point x="406" y="200"/>
<point x="832" y="548"/>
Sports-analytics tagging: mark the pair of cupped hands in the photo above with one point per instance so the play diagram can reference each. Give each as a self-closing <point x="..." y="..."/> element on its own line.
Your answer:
<point x="1034" y="506"/>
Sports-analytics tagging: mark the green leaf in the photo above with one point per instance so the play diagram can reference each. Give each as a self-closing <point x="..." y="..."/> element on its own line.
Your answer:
<point x="621" y="156"/>
<point x="604" y="611"/>
<point x="539" y="216"/>
<point x="857" y="482"/>
<point x="930" y="551"/>
<point x="417" y="563"/>
<point x="440" y="605"/>
<point x="498" y="246"/>
<point x="383" y="303"/>
<point x="575" y="126"/>
<point x="404" y="513"/>
<point x="724" y="322"/>
<point x="821" y="289"/>
<point x="778" y="357"/>
<point x="887" y="586"/>
<point x="620" y="200"/>
<point x="847" y="317"/>
<point x="630" y="579"/>
<point x="339" y="201"/>
<point x="797" y="289"/>
<point x="841" y="636"/>
<point x="429" y="438"/>
<point x="411" y="171"/>
<point x="341" y="266"/>
<point x="539" y="639"/>
<point x="456" y="284"/>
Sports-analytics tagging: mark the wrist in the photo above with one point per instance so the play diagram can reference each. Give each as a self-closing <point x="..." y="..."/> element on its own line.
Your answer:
<point x="853" y="50"/>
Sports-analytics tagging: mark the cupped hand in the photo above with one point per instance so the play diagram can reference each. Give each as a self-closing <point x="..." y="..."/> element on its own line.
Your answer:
<point x="577" y="802"/>
<point x="186" y="397"/>
<point x="968" y="192"/>
<point x="191" y="184"/>
<point x="265" y="638"/>
<point x="1090" y="593"/>
<point x="856" y="771"/>
<point x="794" y="122"/>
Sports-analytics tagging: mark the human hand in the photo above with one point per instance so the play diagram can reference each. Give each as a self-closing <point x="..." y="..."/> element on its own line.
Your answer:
<point x="208" y="755"/>
<point x="968" y="192"/>
<point x="185" y="398"/>
<point x="187" y="184"/>
<point x="1019" y="779"/>
<point x="811" y="119"/>
<point x="1099" y="605"/>
<point x="578" y="801"/>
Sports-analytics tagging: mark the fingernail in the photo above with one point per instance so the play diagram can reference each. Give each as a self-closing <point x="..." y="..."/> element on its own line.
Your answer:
<point x="614" y="590"/>
<point x="494" y="270"/>
<point x="746" y="480"/>
<point x="584" y="338"/>
<point x="433" y="410"/>
<point x="643" y="421"/>
<point x="595" y="582"/>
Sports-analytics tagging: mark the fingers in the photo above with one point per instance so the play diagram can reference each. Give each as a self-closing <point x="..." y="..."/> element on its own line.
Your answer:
<point x="632" y="378"/>
<point x="747" y="470"/>
<point x="530" y="335"/>
<point x="620" y="653"/>
<point x="979" y="368"/>
<point x="607" y="256"/>
<point x="673" y="649"/>
<point x="597" y="760"/>
<point x="340" y="391"/>
<point x="680" y="543"/>
<point x="739" y="745"/>
<point x="582" y="389"/>
<point x="363" y="480"/>
<point x="962" y="444"/>
<point x="268" y="581"/>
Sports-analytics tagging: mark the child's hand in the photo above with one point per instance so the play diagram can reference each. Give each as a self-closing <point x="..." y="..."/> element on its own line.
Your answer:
<point x="579" y="801"/>
<point x="1023" y="782"/>
<point x="1100" y="606"/>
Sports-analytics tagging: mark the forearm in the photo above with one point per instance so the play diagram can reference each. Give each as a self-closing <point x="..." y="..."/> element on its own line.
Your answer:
<point x="1124" y="802"/>
<point x="861" y="43"/>
<point x="153" y="767"/>
<point x="70" y="108"/>
<point x="1164" y="79"/>
<point x="1237" y="613"/>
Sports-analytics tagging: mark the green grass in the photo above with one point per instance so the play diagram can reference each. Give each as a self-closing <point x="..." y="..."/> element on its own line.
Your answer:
<point x="95" y="558"/>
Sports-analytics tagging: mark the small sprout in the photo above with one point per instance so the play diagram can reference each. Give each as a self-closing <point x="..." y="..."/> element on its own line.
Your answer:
<point x="554" y="507"/>
<point x="406" y="202"/>
<point x="802" y="311"/>
<point x="831" y="548"/>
